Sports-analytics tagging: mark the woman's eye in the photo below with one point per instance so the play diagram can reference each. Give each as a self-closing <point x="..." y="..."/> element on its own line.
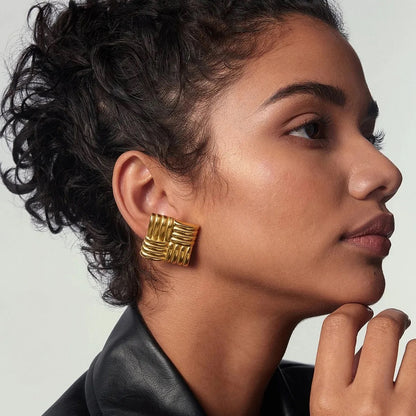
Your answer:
<point x="310" y="131"/>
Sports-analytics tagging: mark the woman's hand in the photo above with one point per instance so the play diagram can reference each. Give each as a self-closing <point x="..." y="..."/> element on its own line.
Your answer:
<point x="363" y="385"/>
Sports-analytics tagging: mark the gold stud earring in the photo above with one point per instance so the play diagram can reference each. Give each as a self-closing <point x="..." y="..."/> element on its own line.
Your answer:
<point x="169" y="240"/>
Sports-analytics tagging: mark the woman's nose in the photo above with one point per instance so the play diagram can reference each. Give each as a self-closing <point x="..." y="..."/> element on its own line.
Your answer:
<point x="373" y="175"/>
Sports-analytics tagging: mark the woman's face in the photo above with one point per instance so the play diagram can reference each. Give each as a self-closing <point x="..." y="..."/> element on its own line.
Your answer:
<point x="300" y="178"/>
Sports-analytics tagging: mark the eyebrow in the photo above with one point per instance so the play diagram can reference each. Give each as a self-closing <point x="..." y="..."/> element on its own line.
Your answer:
<point x="325" y="92"/>
<point x="329" y="93"/>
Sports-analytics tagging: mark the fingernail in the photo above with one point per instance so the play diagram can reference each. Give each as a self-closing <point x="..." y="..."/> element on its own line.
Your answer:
<point x="369" y="309"/>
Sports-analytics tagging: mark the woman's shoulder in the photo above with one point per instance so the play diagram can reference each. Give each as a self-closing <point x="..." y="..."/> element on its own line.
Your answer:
<point x="72" y="402"/>
<point x="131" y="375"/>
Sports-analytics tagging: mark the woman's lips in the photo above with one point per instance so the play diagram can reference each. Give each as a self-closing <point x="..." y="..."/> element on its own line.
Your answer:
<point x="376" y="245"/>
<point x="373" y="236"/>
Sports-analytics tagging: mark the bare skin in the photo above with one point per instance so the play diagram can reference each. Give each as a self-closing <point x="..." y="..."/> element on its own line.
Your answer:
<point x="367" y="387"/>
<point x="297" y="175"/>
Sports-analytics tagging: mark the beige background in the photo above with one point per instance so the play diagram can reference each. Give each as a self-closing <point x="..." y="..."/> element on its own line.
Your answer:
<point x="52" y="321"/>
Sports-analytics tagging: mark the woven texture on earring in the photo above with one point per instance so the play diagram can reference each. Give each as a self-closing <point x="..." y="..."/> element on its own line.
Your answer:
<point x="169" y="240"/>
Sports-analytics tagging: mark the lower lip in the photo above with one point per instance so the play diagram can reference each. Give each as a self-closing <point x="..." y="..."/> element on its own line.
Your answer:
<point x="376" y="245"/>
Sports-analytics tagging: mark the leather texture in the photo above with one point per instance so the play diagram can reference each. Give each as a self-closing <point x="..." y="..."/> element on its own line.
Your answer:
<point x="133" y="376"/>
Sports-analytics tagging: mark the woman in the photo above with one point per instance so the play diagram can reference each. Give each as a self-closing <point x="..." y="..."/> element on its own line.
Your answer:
<point x="250" y="124"/>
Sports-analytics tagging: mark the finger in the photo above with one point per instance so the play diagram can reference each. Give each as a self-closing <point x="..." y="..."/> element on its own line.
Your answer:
<point x="355" y="363"/>
<point x="406" y="379"/>
<point x="379" y="351"/>
<point x="334" y="360"/>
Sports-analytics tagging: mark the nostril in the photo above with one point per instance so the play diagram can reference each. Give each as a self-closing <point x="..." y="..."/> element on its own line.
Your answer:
<point x="387" y="196"/>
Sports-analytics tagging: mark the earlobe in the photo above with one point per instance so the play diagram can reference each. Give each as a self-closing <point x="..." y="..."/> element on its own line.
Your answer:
<point x="138" y="190"/>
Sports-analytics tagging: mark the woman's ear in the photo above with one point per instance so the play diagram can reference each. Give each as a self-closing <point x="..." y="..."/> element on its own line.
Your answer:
<point x="140" y="188"/>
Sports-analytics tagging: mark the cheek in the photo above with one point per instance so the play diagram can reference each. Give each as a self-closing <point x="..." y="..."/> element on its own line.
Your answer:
<point x="286" y="195"/>
<point x="271" y="211"/>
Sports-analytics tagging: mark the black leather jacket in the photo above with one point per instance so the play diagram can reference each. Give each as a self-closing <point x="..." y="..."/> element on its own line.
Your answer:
<point x="133" y="376"/>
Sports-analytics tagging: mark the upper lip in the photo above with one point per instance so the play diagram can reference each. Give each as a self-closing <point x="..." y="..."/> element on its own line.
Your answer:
<point x="382" y="224"/>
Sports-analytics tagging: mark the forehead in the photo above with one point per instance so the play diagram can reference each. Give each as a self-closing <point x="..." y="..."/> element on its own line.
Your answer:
<point x="302" y="49"/>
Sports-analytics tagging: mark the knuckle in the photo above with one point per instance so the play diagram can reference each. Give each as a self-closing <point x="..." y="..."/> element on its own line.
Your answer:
<point x="328" y="405"/>
<point x="370" y="407"/>
<point x="322" y="404"/>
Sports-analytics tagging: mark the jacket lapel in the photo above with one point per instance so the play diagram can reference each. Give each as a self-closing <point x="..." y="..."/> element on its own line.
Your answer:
<point x="133" y="376"/>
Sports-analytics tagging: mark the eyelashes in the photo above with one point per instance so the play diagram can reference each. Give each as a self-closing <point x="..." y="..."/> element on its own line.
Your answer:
<point x="377" y="139"/>
<point x="317" y="129"/>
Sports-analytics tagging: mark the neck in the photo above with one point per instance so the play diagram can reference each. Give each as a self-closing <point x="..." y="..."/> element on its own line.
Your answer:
<point x="225" y="342"/>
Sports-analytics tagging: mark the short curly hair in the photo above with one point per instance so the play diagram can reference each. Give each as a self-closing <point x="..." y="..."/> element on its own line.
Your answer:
<point x="106" y="76"/>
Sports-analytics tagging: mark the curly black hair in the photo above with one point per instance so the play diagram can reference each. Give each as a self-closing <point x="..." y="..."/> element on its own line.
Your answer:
<point x="106" y="76"/>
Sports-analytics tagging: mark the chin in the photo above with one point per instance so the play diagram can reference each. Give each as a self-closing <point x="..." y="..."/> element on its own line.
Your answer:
<point x="375" y="293"/>
<point x="366" y="288"/>
<point x="370" y="288"/>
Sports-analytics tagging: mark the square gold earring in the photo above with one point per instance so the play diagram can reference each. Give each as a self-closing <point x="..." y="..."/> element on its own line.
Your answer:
<point x="169" y="240"/>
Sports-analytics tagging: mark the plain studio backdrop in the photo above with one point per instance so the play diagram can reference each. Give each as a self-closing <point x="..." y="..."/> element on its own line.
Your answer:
<point x="52" y="319"/>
